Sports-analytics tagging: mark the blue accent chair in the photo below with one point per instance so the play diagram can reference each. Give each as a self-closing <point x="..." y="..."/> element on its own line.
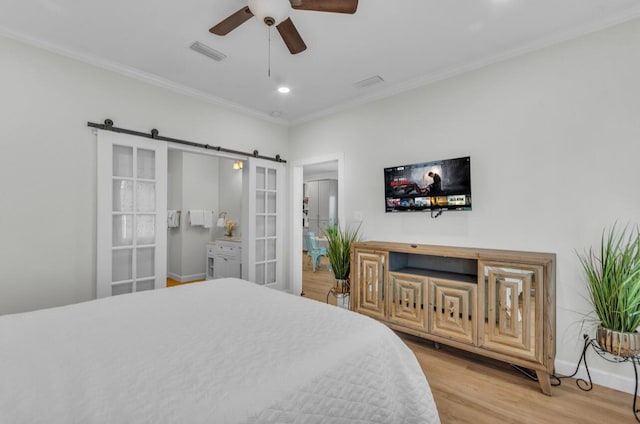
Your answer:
<point x="314" y="252"/>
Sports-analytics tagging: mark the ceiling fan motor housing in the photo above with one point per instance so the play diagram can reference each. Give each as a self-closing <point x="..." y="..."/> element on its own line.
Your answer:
<point x="271" y="12"/>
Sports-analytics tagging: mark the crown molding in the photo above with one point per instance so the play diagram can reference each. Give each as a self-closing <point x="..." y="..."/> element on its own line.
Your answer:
<point x="136" y="74"/>
<point x="557" y="38"/>
<point x="380" y="94"/>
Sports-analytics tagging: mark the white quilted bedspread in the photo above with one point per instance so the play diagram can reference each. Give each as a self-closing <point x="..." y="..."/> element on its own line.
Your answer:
<point x="223" y="351"/>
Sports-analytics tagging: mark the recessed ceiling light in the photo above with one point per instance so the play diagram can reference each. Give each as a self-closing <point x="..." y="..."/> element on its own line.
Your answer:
<point x="276" y="114"/>
<point x="283" y="90"/>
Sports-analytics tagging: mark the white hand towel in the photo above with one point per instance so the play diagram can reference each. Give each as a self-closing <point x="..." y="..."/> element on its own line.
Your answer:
<point x="208" y="219"/>
<point x="196" y="217"/>
<point x="173" y="219"/>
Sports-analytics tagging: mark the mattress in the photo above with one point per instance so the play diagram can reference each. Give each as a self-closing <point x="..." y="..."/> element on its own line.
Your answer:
<point x="221" y="351"/>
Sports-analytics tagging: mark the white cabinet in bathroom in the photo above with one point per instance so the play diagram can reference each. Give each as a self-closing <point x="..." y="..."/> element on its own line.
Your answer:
<point x="210" y="259"/>
<point x="226" y="256"/>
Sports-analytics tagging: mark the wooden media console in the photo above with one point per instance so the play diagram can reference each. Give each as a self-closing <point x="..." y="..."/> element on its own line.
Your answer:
<point x="496" y="303"/>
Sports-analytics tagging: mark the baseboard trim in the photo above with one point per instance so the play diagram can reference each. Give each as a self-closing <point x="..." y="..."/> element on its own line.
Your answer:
<point x="185" y="278"/>
<point x="598" y="376"/>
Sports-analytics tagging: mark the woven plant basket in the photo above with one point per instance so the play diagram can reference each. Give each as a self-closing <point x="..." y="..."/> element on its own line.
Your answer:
<point x="626" y="345"/>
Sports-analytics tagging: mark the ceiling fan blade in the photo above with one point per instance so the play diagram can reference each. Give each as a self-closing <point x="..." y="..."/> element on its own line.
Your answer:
<point x="291" y="37"/>
<point x="232" y="22"/>
<point x="336" y="6"/>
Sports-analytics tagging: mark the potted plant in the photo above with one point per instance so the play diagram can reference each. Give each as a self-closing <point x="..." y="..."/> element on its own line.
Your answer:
<point x="339" y="253"/>
<point x="230" y="227"/>
<point x="613" y="281"/>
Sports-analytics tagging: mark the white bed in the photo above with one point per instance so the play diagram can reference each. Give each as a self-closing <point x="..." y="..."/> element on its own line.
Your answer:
<point x="223" y="351"/>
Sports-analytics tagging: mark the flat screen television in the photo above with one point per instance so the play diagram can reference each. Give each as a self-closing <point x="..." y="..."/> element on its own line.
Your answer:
<point x="438" y="185"/>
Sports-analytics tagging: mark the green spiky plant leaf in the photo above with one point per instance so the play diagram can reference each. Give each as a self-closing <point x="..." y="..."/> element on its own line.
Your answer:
<point x="339" y="249"/>
<point x="613" y="279"/>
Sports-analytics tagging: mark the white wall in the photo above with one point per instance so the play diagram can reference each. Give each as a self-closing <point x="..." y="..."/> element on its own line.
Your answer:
<point x="554" y="140"/>
<point x="230" y="196"/>
<point x="199" y="191"/>
<point x="48" y="163"/>
<point x="174" y="202"/>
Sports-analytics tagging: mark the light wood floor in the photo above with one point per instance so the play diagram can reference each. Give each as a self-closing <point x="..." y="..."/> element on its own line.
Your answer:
<point x="471" y="389"/>
<point x="172" y="283"/>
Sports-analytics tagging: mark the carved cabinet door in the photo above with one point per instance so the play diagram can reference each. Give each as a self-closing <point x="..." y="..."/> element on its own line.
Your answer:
<point x="408" y="300"/>
<point x="511" y="296"/>
<point x="369" y="283"/>
<point x="453" y="309"/>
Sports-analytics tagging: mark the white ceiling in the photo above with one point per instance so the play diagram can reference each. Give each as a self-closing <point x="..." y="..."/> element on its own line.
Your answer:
<point x="407" y="42"/>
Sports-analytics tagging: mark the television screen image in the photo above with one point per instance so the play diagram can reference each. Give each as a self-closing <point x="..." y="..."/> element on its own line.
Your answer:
<point x="443" y="184"/>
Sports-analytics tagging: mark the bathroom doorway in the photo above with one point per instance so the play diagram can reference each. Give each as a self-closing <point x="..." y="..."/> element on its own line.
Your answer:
<point x="199" y="184"/>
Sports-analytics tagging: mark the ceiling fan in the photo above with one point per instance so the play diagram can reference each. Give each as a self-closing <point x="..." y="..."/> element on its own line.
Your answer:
<point x="276" y="12"/>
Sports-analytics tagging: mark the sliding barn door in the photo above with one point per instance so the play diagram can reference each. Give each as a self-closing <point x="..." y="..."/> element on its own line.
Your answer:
<point x="265" y="230"/>
<point x="132" y="210"/>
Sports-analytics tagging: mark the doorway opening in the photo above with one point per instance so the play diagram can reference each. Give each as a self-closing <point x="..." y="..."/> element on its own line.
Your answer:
<point x="201" y="189"/>
<point x="317" y="203"/>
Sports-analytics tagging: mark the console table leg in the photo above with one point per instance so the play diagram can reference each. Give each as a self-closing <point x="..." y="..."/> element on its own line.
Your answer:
<point x="545" y="382"/>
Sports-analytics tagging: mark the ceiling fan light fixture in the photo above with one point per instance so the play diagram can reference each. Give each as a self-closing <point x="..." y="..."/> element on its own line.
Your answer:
<point x="284" y="90"/>
<point x="271" y="12"/>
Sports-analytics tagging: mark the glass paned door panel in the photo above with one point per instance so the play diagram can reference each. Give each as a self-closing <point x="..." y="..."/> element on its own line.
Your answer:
<point x="271" y="273"/>
<point x="122" y="195"/>
<point x="121" y="289"/>
<point x="271" y="249"/>
<point x="132" y="175"/>
<point x="271" y="179"/>
<point x="145" y="229"/>
<point x="261" y="228"/>
<point x="260" y="178"/>
<point x="265" y="233"/>
<point x="260" y="251"/>
<point x="122" y="161"/>
<point x="122" y="230"/>
<point x="145" y="196"/>
<point x="144" y="285"/>
<point x="260" y="202"/>
<point x="260" y="274"/>
<point x="271" y="202"/>
<point x="122" y="265"/>
<point x="146" y="164"/>
<point x="145" y="262"/>
<point x="271" y="226"/>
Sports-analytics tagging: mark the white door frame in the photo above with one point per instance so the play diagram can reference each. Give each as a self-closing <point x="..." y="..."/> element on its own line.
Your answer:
<point x="295" y="241"/>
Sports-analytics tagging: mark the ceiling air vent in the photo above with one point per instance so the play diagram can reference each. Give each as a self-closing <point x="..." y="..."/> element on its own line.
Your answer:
<point x="369" y="82"/>
<point x="208" y="51"/>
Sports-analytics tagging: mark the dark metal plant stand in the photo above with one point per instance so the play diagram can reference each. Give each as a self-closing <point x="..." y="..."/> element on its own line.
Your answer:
<point x="588" y="385"/>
